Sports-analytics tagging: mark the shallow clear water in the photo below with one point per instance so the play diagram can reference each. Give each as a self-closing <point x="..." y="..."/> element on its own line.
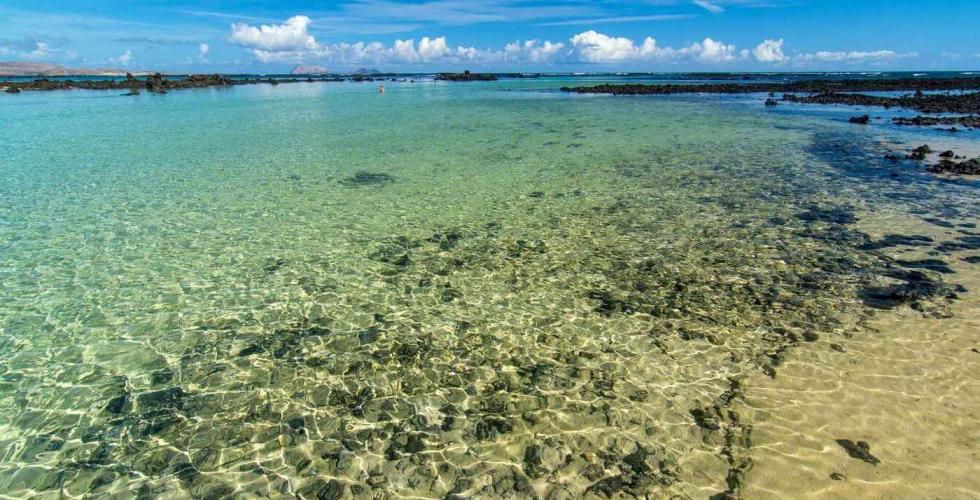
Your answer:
<point x="548" y="295"/>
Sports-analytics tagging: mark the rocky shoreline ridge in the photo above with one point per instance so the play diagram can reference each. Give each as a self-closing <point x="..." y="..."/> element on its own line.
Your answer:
<point x="161" y="84"/>
<point x="828" y="92"/>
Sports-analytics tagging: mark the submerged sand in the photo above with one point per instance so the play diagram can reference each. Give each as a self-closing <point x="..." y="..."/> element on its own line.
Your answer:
<point x="906" y="384"/>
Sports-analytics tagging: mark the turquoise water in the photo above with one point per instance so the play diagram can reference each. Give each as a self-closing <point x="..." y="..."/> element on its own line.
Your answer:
<point x="544" y="294"/>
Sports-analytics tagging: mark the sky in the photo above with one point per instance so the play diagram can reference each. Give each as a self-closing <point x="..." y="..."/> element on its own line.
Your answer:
<point x="267" y="36"/>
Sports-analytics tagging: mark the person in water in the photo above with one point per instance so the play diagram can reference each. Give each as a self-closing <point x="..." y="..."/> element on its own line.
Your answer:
<point x="381" y="89"/>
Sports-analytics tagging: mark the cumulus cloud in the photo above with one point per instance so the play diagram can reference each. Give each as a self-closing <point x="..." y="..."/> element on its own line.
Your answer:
<point x="712" y="51"/>
<point x="769" y="51"/>
<point x="125" y="59"/>
<point x="290" y="41"/>
<point x="710" y="7"/>
<point x="591" y="46"/>
<point x="289" y="36"/>
<point x="533" y="51"/>
<point x="202" y="52"/>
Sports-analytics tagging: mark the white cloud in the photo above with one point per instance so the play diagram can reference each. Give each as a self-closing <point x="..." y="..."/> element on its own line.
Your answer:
<point x="289" y="36"/>
<point x="533" y="51"/>
<point x="769" y="51"/>
<point x="712" y="51"/>
<point x="202" y="52"/>
<point x="41" y="51"/>
<point x="856" y="56"/>
<point x="125" y="59"/>
<point x="710" y="7"/>
<point x="591" y="46"/>
<point x="291" y="42"/>
<point x="430" y="50"/>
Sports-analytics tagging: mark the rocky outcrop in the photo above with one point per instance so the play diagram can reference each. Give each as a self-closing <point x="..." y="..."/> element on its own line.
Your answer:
<point x="827" y="92"/>
<point x="803" y="86"/>
<point x="971" y="121"/>
<point x="947" y="166"/>
<point x="466" y="76"/>
<point x="920" y="152"/>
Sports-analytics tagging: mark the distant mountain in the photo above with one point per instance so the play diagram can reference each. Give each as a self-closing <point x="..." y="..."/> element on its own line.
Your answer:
<point x="309" y="70"/>
<point x="25" y="68"/>
<point x="367" y="71"/>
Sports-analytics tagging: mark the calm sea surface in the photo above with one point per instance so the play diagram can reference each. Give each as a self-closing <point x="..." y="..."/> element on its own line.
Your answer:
<point x="486" y="290"/>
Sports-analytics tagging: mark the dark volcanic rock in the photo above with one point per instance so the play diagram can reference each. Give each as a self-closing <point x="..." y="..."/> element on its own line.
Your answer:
<point x="827" y="92"/>
<point x="920" y="152"/>
<point x="860" y="450"/>
<point x="932" y="103"/>
<point x="860" y="120"/>
<point x="364" y="178"/>
<point x="466" y="76"/>
<point x="932" y="121"/>
<point x="946" y="166"/>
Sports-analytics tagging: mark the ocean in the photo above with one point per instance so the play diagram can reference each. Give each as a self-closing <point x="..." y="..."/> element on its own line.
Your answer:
<point x="489" y="289"/>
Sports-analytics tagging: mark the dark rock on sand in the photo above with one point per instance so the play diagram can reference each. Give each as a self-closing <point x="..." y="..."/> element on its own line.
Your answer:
<point x="119" y="404"/>
<point x="937" y="265"/>
<point x="894" y="240"/>
<point x="447" y="240"/>
<point x="830" y="215"/>
<point x="838" y="476"/>
<point x="365" y="178"/>
<point x="961" y="243"/>
<point x="860" y="450"/>
<point x="706" y="418"/>
<point x="915" y="288"/>
<point x="320" y="489"/>
<point x="533" y="461"/>
<point x="920" y="152"/>
<point x="946" y="166"/>
<point x="860" y="120"/>
<point x="172" y="397"/>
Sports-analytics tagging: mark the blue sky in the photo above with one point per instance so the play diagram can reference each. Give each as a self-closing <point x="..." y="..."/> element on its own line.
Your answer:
<point x="531" y="35"/>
